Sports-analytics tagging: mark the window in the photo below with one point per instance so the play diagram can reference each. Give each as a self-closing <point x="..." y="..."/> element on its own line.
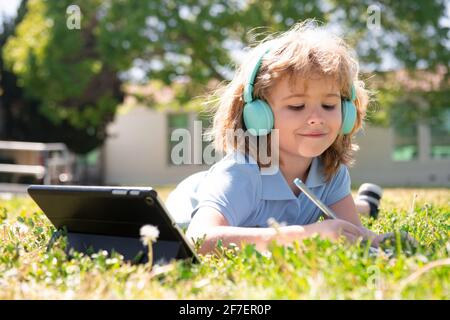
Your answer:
<point x="207" y="122"/>
<point x="175" y="121"/>
<point x="440" y="137"/>
<point x="405" y="142"/>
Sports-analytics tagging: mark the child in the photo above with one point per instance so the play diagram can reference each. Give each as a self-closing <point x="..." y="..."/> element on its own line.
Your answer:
<point x="303" y="88"/>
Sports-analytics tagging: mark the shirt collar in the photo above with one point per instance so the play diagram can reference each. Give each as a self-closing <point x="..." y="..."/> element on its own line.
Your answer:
<point x="275" y="187"/>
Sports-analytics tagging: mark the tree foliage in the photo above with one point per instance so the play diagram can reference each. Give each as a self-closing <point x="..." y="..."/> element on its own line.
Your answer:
<point x="75" y="75"/>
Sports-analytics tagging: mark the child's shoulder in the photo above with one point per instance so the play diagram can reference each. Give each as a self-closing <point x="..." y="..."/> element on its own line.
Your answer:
<point x="238" y="165"/>
<point x="340" y="178"/>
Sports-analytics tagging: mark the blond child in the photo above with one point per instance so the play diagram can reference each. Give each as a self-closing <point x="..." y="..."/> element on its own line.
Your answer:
<point x="301" y="87"/>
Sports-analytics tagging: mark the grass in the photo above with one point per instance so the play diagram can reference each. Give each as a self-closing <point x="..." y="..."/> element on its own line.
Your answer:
<point x="313" y="269"/>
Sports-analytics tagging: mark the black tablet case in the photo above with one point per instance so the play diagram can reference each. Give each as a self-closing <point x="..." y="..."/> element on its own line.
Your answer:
<point x="110" y="218"/>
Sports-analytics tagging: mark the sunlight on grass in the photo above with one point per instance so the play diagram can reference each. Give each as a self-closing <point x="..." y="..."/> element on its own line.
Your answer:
<point x="314" y="269"/>
<point x="163" y="191"/>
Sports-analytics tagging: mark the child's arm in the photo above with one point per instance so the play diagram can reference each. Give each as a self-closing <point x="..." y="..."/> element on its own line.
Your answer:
<point x="210" y="222"/>
<point x="346" y="209"/>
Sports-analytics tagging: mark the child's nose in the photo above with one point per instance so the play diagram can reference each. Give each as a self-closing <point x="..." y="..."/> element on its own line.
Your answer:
<point x="315" y="118"/>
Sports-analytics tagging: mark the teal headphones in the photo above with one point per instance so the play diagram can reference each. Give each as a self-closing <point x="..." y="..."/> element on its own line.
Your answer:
<point x="258" y="116"/>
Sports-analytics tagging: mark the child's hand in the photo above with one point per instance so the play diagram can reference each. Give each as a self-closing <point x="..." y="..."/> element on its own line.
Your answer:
<point x="376" y="239"/>
<point x="333" y="229"/>
<point x="371" y="236"/>
<point x="391" y="237"/>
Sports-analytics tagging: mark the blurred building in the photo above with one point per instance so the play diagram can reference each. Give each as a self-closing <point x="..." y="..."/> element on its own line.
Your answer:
<point x="138" y="151"/>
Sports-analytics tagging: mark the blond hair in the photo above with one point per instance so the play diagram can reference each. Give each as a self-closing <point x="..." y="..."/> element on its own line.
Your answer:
<point x="302" y="51"/>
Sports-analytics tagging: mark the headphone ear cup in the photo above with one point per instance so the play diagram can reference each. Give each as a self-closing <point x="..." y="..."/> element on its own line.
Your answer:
<point x="348" y="116"/>
<point x="258" y="117"/>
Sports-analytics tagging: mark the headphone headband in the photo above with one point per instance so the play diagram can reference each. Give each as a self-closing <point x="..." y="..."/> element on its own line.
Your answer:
<point x="248" y="89"/>
<point x="352" y="93"/>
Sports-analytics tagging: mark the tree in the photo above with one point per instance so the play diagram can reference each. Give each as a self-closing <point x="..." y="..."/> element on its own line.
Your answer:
<point x="75" y="75"/>
<point x="415" y="36"/>
<point x="20" y="113"/>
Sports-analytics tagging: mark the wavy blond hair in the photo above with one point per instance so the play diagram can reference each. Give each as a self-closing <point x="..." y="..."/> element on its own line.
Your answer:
<point x="305" y="50"/>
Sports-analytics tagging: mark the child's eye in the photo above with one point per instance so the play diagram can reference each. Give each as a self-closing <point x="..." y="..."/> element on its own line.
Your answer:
<point x="299" y="107"/>
<point x="328" y="106"/>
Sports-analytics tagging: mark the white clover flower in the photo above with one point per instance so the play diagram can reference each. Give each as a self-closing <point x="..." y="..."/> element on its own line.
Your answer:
<point x="20" y="227"/>
<point x="272" y="222"/>
<point x="149" y="233"/>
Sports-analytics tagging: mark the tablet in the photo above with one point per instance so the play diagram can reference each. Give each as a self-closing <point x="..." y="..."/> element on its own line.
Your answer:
<point x="109" y="218"/>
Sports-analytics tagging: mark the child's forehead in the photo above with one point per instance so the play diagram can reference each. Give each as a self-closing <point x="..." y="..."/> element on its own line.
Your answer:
<point x="296" y="84"/>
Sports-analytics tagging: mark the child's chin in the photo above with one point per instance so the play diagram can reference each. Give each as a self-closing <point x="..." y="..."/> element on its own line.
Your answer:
<point x="310" y="153"/>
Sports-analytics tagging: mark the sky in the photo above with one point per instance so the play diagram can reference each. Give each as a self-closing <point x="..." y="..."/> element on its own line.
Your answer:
<point x="8" y="8"/>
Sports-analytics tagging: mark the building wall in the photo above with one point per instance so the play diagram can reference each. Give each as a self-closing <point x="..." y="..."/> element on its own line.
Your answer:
<point x="374" y="163"/>
<point x="136" y="152"/>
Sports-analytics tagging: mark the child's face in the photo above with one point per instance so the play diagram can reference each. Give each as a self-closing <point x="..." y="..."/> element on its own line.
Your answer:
<point x="307" y="114"/>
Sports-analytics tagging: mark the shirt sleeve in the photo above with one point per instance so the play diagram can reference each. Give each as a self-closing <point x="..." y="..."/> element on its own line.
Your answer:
<point x="232" y="189"/>
<point x="339" y="186"/>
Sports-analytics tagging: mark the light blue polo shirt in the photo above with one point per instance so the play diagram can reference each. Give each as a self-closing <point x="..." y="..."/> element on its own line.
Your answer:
<point x="235" y="187"/>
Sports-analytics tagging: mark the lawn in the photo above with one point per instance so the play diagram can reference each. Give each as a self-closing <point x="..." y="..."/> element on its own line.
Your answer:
<point x="313" y="269"/>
